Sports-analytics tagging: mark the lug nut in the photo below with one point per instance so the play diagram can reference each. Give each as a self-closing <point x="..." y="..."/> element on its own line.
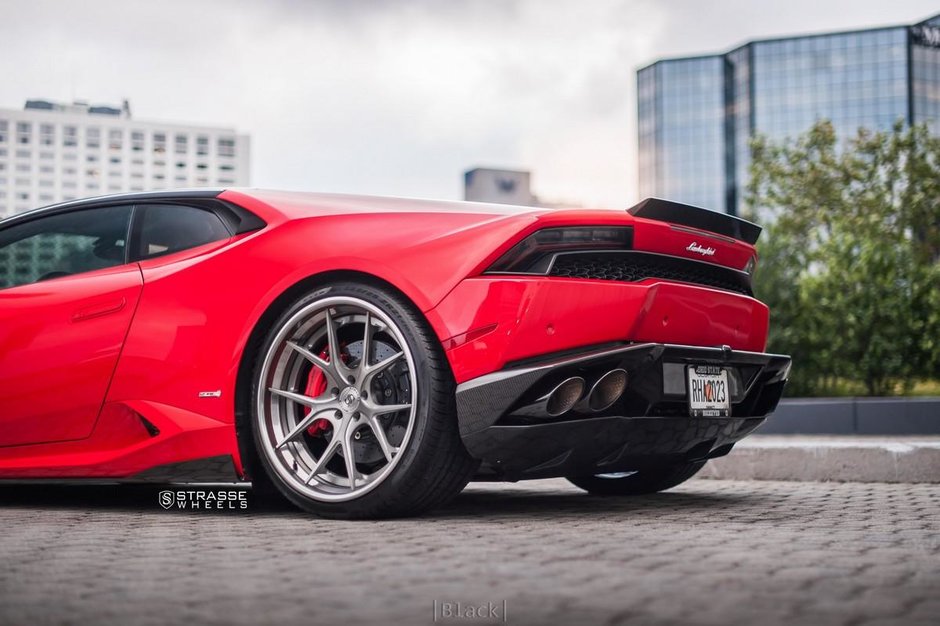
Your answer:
<point x="338" y="414"/>
<point x="357" y="435"/>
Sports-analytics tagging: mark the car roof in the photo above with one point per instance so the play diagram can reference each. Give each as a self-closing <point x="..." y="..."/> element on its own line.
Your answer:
<point x="142" y="196"/>
<point x="302" y="204"/>
<point x="289" y="204"/>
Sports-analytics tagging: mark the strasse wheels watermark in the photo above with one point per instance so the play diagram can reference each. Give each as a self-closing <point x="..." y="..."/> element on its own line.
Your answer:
<point x="203" y="499"/>
<point x="445" y="611"/>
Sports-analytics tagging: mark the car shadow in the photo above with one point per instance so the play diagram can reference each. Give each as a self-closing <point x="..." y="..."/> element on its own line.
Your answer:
<point x="481" y="499"/>
<point x="535" y="504"/>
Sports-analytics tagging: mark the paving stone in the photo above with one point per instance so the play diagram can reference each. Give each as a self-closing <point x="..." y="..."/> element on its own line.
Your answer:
<point x="708" y="552"/>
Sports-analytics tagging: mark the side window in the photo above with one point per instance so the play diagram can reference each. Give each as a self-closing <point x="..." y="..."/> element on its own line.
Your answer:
<point x="63" y="244"/>
<point x="166" y="228"/>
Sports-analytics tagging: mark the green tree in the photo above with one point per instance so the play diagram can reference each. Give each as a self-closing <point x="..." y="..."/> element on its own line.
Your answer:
<point x="850" y="260"/>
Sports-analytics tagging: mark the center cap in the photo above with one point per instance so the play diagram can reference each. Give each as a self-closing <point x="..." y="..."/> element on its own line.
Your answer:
<point x="349" y="399"/>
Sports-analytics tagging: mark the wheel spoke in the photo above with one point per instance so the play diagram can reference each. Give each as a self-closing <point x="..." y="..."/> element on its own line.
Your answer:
<point x="387" y="449"/>
<point x="323" y="364"/>
<point x="328" y="453"/>
<point x="307" y="401"/>
<point x="384" y="364"/>
<point x="306" y="422"/>
<point x="349" y="455"/>
<point x="382" y="409"/>
<point x="366" y="346"/>
<point x="336" y="360"/>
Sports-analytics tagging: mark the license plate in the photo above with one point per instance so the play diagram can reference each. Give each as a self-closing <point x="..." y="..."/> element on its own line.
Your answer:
<point x="709" y="395"/>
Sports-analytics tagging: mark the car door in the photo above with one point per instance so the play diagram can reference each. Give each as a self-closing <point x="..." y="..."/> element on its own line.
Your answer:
<point x="67" y="296"/>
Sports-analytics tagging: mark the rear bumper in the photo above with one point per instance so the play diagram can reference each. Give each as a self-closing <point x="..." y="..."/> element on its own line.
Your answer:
<point x="488" y="322"/>
<point x="648" y="425"/>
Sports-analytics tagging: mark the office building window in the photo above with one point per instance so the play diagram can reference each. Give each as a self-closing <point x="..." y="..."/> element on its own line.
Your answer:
<point x="115" y="138"/>
<point x="226" y="147"/>
<point x="23" y="132"/>
<point x="69" y="136"/>
<point x="93" y="138"/>
<point x="202" y="145"/>
<point x="182" y="144"/>
<point x="47" y="134"/>
<point x="137" y="141"/>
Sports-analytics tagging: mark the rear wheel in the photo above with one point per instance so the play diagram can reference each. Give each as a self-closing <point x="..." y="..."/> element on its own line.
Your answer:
<point x="353" y="410"/>
<point x="637" y="483"/>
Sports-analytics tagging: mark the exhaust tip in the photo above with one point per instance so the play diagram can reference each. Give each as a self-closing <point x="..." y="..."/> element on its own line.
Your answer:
<point x="607" y="389"/>
<point x="562" y="398"/>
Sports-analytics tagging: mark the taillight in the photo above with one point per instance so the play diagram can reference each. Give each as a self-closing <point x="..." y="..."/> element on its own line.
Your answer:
<point x="534" y="254"/>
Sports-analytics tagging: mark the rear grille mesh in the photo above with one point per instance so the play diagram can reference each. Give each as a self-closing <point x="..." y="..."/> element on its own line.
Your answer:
<point x="635" y="266"/>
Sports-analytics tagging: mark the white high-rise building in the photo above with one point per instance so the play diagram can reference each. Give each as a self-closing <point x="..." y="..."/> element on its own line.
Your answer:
<point x="51" y="152"/>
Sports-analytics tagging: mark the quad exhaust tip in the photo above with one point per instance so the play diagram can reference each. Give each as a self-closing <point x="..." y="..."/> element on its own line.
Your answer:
<point x="569" y="394"/>
<point x="564" y="396"/>
<point x="607" y="389"/>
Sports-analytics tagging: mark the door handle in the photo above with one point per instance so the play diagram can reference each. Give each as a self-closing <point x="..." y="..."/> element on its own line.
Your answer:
<point x="97" y="310"/>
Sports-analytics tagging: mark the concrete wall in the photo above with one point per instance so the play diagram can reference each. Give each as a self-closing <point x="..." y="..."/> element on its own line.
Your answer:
<point x="855" y="416"/>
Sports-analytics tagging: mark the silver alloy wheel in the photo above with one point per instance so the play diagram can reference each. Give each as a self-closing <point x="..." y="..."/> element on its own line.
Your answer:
<point x="328" y="468"/>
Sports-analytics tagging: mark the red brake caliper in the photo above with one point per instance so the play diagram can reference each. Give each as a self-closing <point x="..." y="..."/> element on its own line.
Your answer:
<point x="316" y="385"/>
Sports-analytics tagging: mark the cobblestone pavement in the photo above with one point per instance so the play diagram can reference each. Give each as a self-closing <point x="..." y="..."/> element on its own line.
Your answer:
<point x="709" y="552"/>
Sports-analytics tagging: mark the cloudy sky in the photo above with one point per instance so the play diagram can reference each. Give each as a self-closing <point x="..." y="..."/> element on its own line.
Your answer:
<point x="398" y="97"/>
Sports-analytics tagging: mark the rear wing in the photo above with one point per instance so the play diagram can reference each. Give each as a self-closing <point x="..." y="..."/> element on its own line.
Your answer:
<point x="697" y="217"/>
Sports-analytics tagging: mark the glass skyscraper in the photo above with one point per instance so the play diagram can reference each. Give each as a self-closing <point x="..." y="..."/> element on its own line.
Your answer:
<point x="696" y="115"/>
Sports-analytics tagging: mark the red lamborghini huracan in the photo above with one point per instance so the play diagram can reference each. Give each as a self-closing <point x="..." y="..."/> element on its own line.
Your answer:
<point x="368" y="357"/>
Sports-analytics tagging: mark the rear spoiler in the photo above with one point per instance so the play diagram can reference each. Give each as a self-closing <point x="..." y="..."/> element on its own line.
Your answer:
<point x="697" y="217"/>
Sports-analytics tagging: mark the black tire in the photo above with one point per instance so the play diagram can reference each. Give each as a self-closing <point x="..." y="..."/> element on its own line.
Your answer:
<point x="639" y="483"/>
<point x="434" y="466"/>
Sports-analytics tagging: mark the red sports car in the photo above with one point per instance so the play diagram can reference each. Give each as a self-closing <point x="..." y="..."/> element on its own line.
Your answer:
<point x="368" y="357"/>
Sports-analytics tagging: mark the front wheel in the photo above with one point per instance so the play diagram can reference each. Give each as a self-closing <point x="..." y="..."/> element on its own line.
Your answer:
<point x="353" y="412"/>
<point x="637" y="483"/>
